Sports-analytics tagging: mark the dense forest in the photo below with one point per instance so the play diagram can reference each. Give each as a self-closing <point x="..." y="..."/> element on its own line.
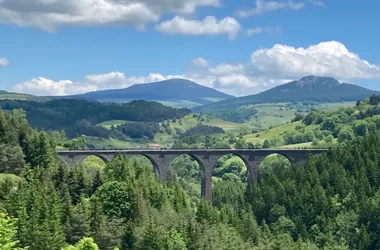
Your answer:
<point x="62" y="113"/>
<point x="331" y="202"/>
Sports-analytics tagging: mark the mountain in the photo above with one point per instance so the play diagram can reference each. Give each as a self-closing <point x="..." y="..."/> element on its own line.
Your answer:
<point x="309" y="88"/>
<point x="174" y="92"/>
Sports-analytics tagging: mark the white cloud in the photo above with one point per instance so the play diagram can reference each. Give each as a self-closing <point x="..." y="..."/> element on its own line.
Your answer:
<point x="324" y="59"/>
<point x="227" y="69"/>
<point x="254" y="31"/>
<point x="43" y="86"/>
<point x="267" y="68"/>
<point x="263" y="6"/>
<point x="280" y="64"/>
<point x="48" y="14"/>
<point x="4" y="62"/>
<point x="200" y="62"/>
<point x="209" y="26"/>
<point x="114" y="80"/>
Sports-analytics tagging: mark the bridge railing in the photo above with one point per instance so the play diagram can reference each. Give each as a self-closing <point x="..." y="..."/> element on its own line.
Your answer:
<point x="191" y="149"/>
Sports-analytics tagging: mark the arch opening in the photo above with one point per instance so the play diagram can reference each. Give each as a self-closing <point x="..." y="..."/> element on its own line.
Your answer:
<point x="273" y="165"/>
<point x="148" y="161"/>
<point x="142" y="162"/>
<point x="124" y="166"/>
<point x="92" y="165"/>
<point x="230" y="167"/>
<point x="188" y="171"/>
<point x="93" y="160"/>
<point x="229" y="180"/>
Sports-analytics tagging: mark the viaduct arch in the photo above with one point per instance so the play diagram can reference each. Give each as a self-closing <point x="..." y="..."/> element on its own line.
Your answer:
<point x="207" y="159"/>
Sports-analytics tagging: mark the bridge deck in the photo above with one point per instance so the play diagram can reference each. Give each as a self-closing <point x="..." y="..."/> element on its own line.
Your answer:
<point x="192" y="150"/>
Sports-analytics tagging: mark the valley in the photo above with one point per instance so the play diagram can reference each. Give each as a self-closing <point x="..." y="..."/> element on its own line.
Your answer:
<point x="277" y="116"/>
<point x="124" y="196"/>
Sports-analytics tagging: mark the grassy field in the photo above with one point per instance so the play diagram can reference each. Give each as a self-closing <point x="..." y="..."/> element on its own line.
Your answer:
<point x="190" y="121"/>
<point x="275" y="114"/>
<point x="108" y="124"/>
<point x="273" y="133"/>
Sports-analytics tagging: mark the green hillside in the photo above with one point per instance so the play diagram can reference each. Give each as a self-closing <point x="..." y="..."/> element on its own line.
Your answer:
<point x="308" y="89"/>
<point x="272" y="122"/>
<point x="4" y="95"/>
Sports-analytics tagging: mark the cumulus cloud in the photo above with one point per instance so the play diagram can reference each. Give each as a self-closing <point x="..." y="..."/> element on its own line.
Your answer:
<point x="3" y="62"/>
<point x="114" y="80"/>
<point x="227" y="69"/>
<point x="263" y="6"/>
<point x="267" y="68"/>
<point x="324" y="59"/>
<point x="48" y="14"/>
<point x="209" y="26"/>
<point x="280" y="64"/>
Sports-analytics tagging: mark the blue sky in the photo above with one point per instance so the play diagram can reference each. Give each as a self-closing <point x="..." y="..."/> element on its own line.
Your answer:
<point x="239" y="47"/>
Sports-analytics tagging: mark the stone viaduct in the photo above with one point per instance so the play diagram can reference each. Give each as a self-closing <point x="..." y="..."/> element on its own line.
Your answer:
<point x="206" y="158"/>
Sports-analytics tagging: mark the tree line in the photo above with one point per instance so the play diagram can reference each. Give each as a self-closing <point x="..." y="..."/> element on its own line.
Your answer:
<point x="62" y="113"/>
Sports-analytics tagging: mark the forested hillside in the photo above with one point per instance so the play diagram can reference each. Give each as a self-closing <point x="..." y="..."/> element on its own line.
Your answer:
<point x="79" y="117"/>
<point x="332" y="202"/>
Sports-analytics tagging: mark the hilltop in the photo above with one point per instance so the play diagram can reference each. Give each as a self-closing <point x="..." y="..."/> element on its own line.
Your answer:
<point x="307" y="89"/>
<point x="5" y="95"/>
<point x="174" y="92"/>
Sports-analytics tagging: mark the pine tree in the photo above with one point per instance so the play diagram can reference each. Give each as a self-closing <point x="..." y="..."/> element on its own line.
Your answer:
<point x="3" y="127"/>
<point x="152" y="240"/>
<point x="129" y="240"/>
<point x="79" y="222"/>
<point x="96" y="182"/>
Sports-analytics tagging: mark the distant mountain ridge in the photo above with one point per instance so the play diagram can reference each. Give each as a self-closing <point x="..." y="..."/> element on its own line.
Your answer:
<point x="178" y="91"/>
<point x="309" y="88"/>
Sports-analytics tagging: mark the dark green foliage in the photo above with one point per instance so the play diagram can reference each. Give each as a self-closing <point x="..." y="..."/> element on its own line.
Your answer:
<point x="240" y="114"/>
<point x="84" y="127"/>
<point x="374" y="99"/>
<point x="221" y="141"/>
<point x="202" y="130"/>
<point x="298" y="117"/>
<point x="139" y="130"/>
<point x="118" y="199"/>
<point x="266" y="144"/>
<point x="11" y="159"/>
<point x="298" y="137"/>
<point x="80" y="117"/>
